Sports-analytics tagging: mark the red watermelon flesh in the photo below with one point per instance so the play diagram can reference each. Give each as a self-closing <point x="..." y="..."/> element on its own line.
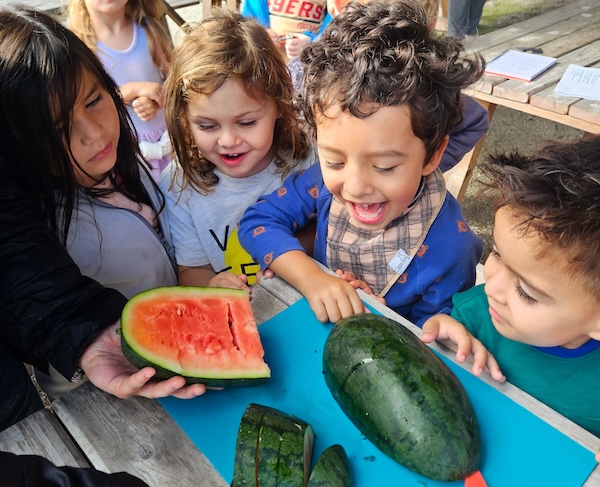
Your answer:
<point x="202" y="334"/>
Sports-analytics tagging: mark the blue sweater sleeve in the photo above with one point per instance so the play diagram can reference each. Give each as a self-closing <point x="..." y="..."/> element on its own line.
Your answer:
<point x="445" y="264"/>
<point x="463" y="138"/>
<point x="267" y="228"/>
<point x="259" y="9"/>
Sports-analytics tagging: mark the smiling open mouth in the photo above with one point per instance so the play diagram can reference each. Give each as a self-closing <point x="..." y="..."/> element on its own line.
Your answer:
<point x="368" y="213"/>
<point x="232" y="159"/>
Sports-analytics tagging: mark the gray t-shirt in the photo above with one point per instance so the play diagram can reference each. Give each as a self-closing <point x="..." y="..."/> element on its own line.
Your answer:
<point x="202" y="225"/>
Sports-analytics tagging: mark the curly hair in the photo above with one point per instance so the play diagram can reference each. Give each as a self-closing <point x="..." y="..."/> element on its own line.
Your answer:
<point x="385" y="54"/>
<point x="555" y="193"/>
<point x="227" y="45"/>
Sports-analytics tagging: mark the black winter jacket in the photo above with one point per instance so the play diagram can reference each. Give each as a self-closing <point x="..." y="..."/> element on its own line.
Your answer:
<point x="49" y="312"/>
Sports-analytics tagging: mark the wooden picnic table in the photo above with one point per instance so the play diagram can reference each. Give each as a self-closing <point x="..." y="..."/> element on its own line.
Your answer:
<point x="91" y="428"/>
<point x="572" y="35"/>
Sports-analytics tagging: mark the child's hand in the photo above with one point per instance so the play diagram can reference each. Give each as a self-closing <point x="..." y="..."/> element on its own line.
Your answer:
<point x="145" y="108"/>
<point x="107" y="368"/>
<point x="358" y="284"/>
<point x="444" y="327"/>
<point x="230" y="280"/>
<point x="266" y="274"/>
<point x="275" y="36"/>
<point x="331" y="298"/>
<point x="294" y="46"/>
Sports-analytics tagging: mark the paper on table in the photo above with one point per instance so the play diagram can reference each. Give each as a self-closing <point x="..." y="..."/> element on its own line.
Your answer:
<point x="519" y="65"/>
<point x="580" y="82"/>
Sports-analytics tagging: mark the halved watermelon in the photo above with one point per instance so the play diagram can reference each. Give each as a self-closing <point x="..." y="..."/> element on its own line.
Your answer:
<point x="207" y="335"/>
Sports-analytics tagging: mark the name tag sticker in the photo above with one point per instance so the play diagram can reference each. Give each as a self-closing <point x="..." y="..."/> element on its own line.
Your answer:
<point x="400" y="261"/>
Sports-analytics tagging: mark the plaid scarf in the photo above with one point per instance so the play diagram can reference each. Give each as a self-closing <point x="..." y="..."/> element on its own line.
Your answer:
<point x="368" y="253"/>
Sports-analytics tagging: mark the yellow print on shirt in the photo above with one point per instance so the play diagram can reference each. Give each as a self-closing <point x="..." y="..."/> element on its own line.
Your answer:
<point x="239" y="260"/>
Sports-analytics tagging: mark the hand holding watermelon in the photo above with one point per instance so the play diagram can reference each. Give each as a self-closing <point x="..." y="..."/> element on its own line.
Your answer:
<point x="107" y="368"/>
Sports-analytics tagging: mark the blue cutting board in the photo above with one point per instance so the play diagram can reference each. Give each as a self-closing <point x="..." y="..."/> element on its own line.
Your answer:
<point x="519" y="448"/>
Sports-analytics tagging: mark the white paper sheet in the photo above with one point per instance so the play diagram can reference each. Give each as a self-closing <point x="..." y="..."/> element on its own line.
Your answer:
<point x="519" y="65"/>
<point x="580" y="82"/>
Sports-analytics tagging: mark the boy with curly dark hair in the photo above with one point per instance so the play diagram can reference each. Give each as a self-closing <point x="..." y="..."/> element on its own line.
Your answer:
<point x="539" y="310"/>
<point x="381" y="93"/>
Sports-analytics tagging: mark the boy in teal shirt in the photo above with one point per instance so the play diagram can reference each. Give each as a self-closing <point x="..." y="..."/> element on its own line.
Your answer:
<point x="538" y="313"/>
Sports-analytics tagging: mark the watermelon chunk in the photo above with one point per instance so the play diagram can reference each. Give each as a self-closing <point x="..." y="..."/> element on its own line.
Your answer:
<point x="273" y="449"/>
<point x="207" y="335"/>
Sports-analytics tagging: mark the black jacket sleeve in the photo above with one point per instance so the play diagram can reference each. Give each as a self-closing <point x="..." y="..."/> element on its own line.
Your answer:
<point x="34" y="471"/>
<point x="49" y="312"/>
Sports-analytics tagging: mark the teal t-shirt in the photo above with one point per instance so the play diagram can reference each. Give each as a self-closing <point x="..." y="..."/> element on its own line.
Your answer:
<point x="566" y="380"/>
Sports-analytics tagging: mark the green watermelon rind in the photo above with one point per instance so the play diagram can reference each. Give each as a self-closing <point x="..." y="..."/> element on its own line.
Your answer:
<point x="273" y="449"/>
<point x="430" y="425"/>
<point x="164" y="370"/>
<point x="244" y="467"/>
<point x="332" y="469"/>
<point x="163" y="373"/>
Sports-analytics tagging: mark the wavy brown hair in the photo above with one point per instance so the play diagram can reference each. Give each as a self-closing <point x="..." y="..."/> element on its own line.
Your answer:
<point x="555" y="193"/>
<point x="385" y="54"/>
<point x="147" y="13"/>
<point x="227" y="45"/>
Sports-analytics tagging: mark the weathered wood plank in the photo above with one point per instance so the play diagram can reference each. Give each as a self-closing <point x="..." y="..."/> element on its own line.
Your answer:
<point x="587" y="111"/>
<point x="538" y="112"/>
<point x="487" y="83"/>
<point x="134" y="435"/>
<point x="281" y="290"/>
<point x="548" y="99"/>
<point x="556" y="39"/>
<point x="520" y="91"/>
<point x="264" y="304"/>
<point x="42" y="434"/>
<point x="520" y="29"/>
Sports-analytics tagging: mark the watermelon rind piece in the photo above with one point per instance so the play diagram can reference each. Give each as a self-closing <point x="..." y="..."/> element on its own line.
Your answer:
<point x="206" y="335"/>
<point x="332" y="469"/>
<point x="245" y="472"/>
<point x="402" y="397"/>
<point x="273" y="449"/>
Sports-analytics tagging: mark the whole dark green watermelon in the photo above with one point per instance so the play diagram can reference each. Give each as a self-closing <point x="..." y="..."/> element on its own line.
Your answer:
<point x="402" y="397"/>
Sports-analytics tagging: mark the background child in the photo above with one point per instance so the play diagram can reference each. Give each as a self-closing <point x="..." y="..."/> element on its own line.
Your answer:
<point x="236" y="134"/>
<point x="71" y="170"/>
<point x="291" y="24"/>
<point x="382" y="94"/>
<point x="133" y="43"/>
<point x="539" y="310"/>
<point x="475" y="122"/>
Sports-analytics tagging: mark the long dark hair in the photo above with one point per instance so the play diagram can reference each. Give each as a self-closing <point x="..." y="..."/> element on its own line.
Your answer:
<point x="41" y="68"/>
